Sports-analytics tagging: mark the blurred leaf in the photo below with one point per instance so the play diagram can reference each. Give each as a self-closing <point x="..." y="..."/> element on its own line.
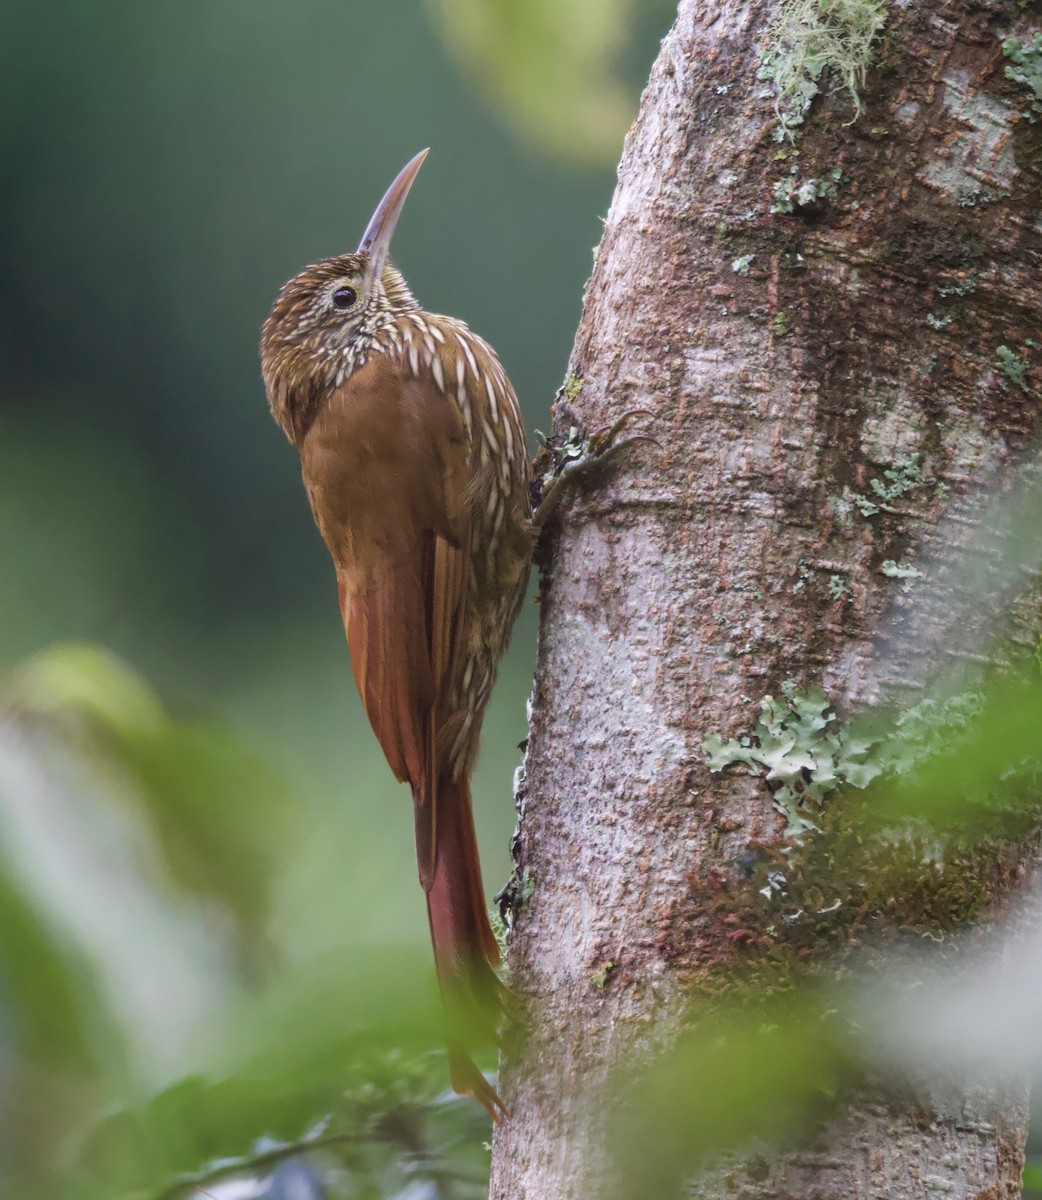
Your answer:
<point x="382" y="1120"/>
<point x="51" y="1011"/>
<point x="193" y="1123"/>
<point x="88" y="681"/>
<point x="56" y="1040"/>
<point x="218" y="810"/>
<point x="1033" y="1174"/>
<point x="316" y="1023"/>
<point x="349" y="1040"/>
<point x="548" y="67"/>
<point x="322" y="1039"/>
<point x="767" y="1073"/>
<point x="985" y="765"/>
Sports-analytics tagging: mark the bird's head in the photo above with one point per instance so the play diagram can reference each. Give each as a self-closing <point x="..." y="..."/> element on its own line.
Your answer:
<point x="326" y="320"/>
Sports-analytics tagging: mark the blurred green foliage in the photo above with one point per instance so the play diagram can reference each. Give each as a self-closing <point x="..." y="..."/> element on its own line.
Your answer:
<point x="763" y="1071"/>
<point x="294" y="1045"/>
<point x="550" y="68"/>
<point x="198" y="781"/>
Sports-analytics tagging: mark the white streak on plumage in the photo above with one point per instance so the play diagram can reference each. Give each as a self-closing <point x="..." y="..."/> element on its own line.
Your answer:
<point x="493" y="403"/>
<point x="470" y="358"/>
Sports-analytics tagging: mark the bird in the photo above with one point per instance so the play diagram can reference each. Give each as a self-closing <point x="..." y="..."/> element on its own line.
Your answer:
<point x="415" y="463"/>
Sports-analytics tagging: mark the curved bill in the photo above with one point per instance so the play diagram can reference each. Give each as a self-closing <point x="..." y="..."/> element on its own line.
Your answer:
<point x="376" y="241"/>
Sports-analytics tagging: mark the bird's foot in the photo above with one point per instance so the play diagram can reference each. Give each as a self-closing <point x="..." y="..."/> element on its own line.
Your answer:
<point x="568" y="459"/>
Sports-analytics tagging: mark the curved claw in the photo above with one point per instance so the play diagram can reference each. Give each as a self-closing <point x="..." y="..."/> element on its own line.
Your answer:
<point x="629" y="441"/>
<point x="608" y="434"/>
<point x="599" y="448"/>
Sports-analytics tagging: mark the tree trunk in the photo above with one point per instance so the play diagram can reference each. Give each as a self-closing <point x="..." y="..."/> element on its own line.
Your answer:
<point x="791" y="358"/>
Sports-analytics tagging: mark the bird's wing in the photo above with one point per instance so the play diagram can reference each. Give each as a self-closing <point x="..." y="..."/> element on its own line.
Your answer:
<point x="402" y="593"/>
<point x="414" y="495"/>
<point x="391" y="662"/>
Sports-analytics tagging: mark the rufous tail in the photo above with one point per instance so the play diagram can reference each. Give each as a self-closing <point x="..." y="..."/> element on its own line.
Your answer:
<point x="465" y="948"/>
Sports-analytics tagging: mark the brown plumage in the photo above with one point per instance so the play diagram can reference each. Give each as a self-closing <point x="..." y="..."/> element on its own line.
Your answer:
<point x="414" y="459"/>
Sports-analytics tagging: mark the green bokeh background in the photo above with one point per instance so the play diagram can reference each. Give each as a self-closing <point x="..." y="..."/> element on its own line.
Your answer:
<point x="166" y="167"/>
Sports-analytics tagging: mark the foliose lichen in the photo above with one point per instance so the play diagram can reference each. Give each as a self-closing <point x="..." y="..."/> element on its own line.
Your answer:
<point x="599" y="978"/>
<point x="905" y="572"/>
<point x="1014" y="367"/>
<point x="799" y="748"/>
<point x="837" y="587"/>
<point x="803" y="752"/>
<point x="1025" y="68"/>
<point x="795" y="191"/>
<point x="901" y="479"/>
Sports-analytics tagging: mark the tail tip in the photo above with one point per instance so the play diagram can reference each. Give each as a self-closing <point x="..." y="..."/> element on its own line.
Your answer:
<point x="467" y="1080"/>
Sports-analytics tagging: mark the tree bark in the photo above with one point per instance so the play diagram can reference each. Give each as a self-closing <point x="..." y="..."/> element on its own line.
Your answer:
<point x="862" y="331"/>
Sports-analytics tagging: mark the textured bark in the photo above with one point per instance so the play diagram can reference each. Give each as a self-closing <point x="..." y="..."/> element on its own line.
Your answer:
<point x="695" y="581"/>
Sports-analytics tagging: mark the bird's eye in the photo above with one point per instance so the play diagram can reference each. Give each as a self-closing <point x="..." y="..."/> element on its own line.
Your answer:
<point x="344" y="298"/>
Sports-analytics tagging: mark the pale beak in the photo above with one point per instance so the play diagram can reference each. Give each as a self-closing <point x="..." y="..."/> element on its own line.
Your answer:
<point x="376" y="241"/>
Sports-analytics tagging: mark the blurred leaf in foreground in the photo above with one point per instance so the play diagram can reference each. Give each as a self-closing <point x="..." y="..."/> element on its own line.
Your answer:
<point x="333" y="1058"/>
<point x="766" y="1072"/>
<point x="984" y="770"/>
<point x="369" y="1132"/>
<point x="548" y="67"/>
<point x="57" y="1043"/>
<point x="218" y="811"/>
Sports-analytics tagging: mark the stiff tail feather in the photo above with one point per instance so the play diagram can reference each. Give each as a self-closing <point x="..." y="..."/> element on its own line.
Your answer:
<point x="465" y="948"/>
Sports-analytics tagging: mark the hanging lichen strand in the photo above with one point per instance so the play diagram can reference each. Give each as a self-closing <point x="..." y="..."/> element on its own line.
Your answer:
<point x="811" y="39"/>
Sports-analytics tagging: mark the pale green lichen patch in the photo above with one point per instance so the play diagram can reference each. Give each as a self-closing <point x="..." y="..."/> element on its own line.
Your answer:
<point x="796" y="190"/>
<point x="965" y="288"/>
<point x="600" y="977"/>
<point x="499" y="930"/>
<point x="841" y="506"/>
<point x="981" y="196"/>
<point x="812" y="40"/>
<point x="800" y="749"/>
<point x="573" y="385"/>
<point x="903" y="571"/>
<point x="837" y="587"/>
<point x="929" y="728"/>
<point x="1014" y="367"/>
<point x="740" y="266"/>
<point x="803" y="752"/>
<point x="1025" y="68"/>
<point x="899" y="480"/>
